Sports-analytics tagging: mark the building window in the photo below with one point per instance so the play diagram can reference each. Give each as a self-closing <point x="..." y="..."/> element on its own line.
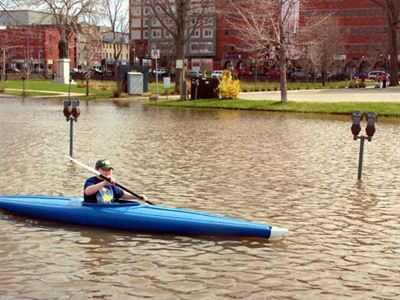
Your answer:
<point x="201" y="47"/>
<point x="209" y="21"/>
<point x="207" y="33"/>
<point x="136" y="11"/>
<point x="136" y="23"/>
<point x="156" y="33"/>
<point x="195" y="33"/>
<point x="135" y="35"/>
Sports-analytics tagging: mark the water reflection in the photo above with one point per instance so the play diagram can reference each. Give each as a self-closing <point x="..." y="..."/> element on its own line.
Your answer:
<point x="293" y="170"/>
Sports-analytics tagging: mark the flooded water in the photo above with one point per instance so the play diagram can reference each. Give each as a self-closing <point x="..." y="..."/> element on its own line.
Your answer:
<point x="291" y="170"/>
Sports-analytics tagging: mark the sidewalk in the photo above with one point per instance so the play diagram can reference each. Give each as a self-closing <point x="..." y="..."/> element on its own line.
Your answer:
<point x="388" y="95"/>
<point x="391" y="95"/>
<point x="48" y="94"/>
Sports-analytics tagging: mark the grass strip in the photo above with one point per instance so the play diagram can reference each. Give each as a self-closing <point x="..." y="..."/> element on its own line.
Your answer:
<point x="383" y="109"/>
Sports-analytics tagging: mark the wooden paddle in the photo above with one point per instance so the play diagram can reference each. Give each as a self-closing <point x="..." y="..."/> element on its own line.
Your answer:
<point x="94" y="171"/>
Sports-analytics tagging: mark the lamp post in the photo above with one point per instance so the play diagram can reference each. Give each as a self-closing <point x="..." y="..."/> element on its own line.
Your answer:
<point x="372" y="118"/>
<point x="3" y="76"/>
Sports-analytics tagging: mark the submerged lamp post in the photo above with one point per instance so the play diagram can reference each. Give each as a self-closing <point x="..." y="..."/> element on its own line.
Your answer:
<point x="357" y="117"/>
<point x="71" y="112"/>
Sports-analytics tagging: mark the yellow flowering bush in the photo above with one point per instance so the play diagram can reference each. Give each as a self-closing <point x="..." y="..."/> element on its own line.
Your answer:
<point x="228" y="88"/>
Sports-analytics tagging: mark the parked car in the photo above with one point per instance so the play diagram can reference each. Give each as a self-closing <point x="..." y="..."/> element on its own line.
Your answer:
<point x="337" y="76"/>
<point x="300" y="75"/>
<point x="96" y="71"/>
<point x="376" y="74"/>
<point x="217" y="73"/>
<point x="160" y="71"/>
<point x="73" y="71"/>
<point x="13" y="70"/>
<point x="245" y="73"/>
<point x="273" y="75"/>
<point x="195" y="73"/>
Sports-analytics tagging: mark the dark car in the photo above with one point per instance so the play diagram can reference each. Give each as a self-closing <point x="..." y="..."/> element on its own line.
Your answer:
<point x="337" y="76"/>
<point x="300" y="75"/>
<point x="273" y="75"/>
<point x="13" y="70"/>
<point x="245" y="73"/>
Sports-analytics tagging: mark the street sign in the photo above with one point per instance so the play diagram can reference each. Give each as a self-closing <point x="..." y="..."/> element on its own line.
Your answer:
<point x="155" y="54"/>
<point x="179" y="63"/>
<point x="167" y="82"/>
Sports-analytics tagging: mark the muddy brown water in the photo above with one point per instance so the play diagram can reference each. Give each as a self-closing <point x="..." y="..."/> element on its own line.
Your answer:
<point x="291" y="170"/>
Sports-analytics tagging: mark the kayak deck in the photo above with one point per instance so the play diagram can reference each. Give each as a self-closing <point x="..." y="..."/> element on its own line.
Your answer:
<point x="136" y="216"/>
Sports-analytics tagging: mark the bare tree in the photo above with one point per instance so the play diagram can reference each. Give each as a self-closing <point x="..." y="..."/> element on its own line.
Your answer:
<point x="89" y="44"/>
<point x="117" y="19"/>
<point x="66" y="15"/>
<point x="269" y="26"/>
<point x="392" y="11"/>
<point x="180" y="18"/>
<point x="322" y="43"/>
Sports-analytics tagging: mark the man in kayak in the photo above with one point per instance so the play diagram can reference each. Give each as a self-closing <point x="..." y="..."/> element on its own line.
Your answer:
<point x="98" y="190"/>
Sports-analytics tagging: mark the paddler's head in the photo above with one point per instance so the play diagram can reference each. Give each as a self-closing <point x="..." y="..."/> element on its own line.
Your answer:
<point x="104" y="166"/>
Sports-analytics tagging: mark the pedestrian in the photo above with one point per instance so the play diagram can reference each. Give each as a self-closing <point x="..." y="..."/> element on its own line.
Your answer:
<point x="98" y="190"/>
<point x="384" y="79"/>
<point x="378" y="82"/>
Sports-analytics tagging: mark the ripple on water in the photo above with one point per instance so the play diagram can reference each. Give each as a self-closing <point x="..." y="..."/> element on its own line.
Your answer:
<point x="277" y="169"/>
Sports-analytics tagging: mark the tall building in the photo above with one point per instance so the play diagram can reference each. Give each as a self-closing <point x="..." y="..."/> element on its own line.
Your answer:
<point x="363" y="27"/>
<point x="146" y="33"/>
<point x="215" y="46"/>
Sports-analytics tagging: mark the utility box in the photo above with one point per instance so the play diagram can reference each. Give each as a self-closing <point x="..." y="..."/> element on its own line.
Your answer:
<point x="135" y="83"/>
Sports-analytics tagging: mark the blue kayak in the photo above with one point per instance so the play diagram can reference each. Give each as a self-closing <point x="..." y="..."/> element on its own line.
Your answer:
<point x="135" y="216"/>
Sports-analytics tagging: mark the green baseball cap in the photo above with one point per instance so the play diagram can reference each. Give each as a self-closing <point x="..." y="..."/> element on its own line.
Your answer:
<point x="104" y="164"/>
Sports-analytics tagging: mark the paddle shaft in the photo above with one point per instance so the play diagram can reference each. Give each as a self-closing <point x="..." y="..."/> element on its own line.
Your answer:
<point x="108" y="179"/>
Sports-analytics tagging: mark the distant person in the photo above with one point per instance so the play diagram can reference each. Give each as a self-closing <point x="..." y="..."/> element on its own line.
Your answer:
<point x="384" y="80"/>
<point x="378" y="82"/>
<point x="98" y="190"/>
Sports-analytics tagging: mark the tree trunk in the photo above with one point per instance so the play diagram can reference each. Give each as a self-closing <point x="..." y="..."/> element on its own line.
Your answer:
<point x="393" y="52"/>
<point x="392" y="15"/>
<point x="283" y="75"/>
<point x="282" y="55"/>
<point x="87" y="82"/>
<point x="180" y="83"/>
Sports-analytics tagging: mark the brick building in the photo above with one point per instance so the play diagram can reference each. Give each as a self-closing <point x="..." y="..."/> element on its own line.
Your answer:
<point x="362" y="23"/>
<point x="364" y="32"/>
<point x="34" y="49"/>
<point x="29" y="41"/>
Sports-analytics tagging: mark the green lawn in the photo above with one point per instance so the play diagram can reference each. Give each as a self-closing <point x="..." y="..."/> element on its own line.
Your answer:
<point x="106" y="89"/>
<point x="98" y="89"/>
<point x="383" y="109"/>
<point x="252" y="86"/>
